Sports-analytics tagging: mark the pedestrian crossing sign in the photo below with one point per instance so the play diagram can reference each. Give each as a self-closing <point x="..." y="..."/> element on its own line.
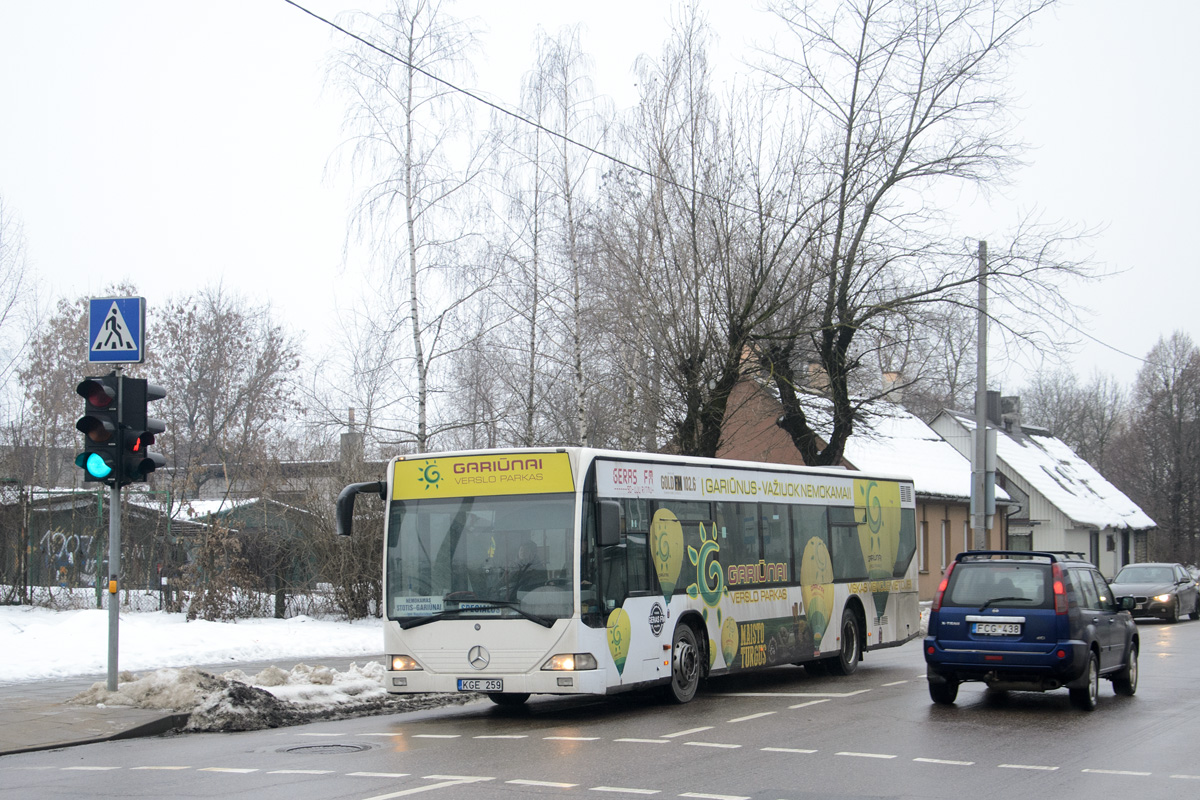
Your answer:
<point x="117" y="330"/>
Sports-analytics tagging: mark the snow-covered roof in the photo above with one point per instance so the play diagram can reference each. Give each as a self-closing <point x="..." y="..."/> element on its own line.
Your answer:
<point x="1063" y="478"/>
<point x="894" y="440"/>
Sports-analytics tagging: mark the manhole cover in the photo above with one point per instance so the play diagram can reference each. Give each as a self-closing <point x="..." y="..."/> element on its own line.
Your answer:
<point x="326" y="749"/>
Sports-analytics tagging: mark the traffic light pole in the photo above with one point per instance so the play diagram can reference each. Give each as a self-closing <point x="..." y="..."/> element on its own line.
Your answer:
<point x="114" y="553"/>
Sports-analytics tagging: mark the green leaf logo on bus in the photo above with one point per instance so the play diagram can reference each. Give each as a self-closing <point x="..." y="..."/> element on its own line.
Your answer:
<point x="666" y="544"/>
<point x="710" y="578"/>
<point x="618" y="637"/>
<point x="429" y="475"/>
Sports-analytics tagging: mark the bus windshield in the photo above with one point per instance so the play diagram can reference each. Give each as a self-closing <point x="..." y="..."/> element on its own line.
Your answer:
<point x="471" y="557"/>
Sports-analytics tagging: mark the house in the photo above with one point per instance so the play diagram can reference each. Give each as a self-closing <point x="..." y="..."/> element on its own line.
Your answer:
<point x="893" y="441"/>
<point x="1062" y="502"/>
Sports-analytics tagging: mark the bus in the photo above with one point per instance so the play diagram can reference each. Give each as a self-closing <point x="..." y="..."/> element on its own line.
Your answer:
<point x="584" y="571"/>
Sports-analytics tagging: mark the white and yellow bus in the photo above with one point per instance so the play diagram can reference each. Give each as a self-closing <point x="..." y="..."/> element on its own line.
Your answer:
<point x="582" y="571"/>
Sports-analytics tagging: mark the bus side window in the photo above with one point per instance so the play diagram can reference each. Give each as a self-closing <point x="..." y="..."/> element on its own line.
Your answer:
<point x="845" y="549"/>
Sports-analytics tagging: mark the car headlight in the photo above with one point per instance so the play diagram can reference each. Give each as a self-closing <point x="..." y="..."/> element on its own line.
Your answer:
<point x="571" y="662"/>
<point x="1163" y="598"/>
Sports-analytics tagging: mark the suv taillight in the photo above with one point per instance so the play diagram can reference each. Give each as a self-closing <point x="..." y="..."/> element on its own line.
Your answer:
<point x="937" y="600"/>
<point x="1060" y="592"/>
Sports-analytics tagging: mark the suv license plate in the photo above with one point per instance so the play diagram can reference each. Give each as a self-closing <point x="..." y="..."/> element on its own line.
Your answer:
<point x="997" y="628"/>
<point x="472" y="685"/>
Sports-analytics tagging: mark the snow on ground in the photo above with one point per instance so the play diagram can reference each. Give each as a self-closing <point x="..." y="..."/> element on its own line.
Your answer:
<point x="157" y="651"/>
<point x="60" y="644"/>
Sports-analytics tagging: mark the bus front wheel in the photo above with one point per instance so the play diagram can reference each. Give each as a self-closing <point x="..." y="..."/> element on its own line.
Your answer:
<point x="685" y="664"/>
<point x="508" y="699"/>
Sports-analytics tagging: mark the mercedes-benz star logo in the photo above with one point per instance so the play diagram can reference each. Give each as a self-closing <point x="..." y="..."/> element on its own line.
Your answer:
<point x="479" y="657"/>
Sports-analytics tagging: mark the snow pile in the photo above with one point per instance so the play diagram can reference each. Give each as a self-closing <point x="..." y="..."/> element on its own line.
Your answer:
<point x="271" y="699"/>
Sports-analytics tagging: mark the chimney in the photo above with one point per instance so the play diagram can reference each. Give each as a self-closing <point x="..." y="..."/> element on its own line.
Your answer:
<point x="352" y="443"/>
<point x="1010" y="413"/>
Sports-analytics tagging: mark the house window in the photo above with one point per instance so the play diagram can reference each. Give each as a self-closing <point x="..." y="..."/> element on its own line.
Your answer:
<point x="947" y="545"/>
<point x="967" y="543"/>
<point x="923" y="547"/>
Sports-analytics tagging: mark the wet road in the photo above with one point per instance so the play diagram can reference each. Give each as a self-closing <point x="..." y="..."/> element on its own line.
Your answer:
<point x="777" y="735"/>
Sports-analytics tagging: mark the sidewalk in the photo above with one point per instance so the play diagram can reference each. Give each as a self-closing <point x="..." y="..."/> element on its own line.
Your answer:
<point x="37" y="716"/>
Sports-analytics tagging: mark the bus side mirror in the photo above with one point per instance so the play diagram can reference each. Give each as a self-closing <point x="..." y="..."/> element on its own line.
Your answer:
<point x="608" y="526"/>
<point x="345" y="503"/>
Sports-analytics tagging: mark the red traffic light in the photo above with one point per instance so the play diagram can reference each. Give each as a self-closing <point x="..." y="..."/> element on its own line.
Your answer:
<point x="96" y="392"/>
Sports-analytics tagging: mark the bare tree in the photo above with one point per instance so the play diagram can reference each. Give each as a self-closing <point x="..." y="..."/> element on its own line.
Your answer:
<point x="1158" y="459"/>
<point x="409" y="128"/>
<point x="904" y="96"/>
<point x="230" y="369"/>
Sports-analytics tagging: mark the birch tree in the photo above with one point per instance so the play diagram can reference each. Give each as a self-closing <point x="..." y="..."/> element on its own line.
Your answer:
<point x="409" y="128"/>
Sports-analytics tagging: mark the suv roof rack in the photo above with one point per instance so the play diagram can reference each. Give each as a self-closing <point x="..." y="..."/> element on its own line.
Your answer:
<point x="1050" y="556"/>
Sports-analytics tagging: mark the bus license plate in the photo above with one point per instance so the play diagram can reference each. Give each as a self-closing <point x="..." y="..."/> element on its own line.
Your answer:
<point x="998" y="628"/>
<point x="475" y="685"/>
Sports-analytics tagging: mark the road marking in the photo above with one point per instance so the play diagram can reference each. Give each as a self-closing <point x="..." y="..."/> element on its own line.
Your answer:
<point x="810" y="703"/>
<point x="864" y="755"/>
<point x="1116" y="772"/>
<point x="713" y="744"/>
<point x="502" y="736"/>
<point x="380" y="734"/>
<point x="622" y="790"/>
<point x="896" y="683"/>
<point x="322" y="735"/>
<point x="787" y="750"/>
<point x="570" y="738"/>
<point x="90" y="769"/>
<point x="547" y="784"/>
<point x="795" y="694"/>
<point x="714" y="796"/>
<point x="234" y="770"/>
<point x="437" y="735"/>
<point x="446" y="781"/>
<point x="752" y="716"/>
<point x="1187" y="777"/>
<point x="378" y="774"/>
<point x="944" y="761"/>
<point x="300" y="772"/>
<point x="1027" y="766"/>
<point x="164" y="768"/>
<point x="643" y="741"/>
<point x="687" y="732"/>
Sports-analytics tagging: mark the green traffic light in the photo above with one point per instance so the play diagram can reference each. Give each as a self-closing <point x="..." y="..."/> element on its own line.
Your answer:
<point x="94" y="464"/>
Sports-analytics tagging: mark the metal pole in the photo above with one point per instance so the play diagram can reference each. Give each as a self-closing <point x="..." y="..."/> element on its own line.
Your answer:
<point x="979" y="459"/>
<point x="114" y="545"/>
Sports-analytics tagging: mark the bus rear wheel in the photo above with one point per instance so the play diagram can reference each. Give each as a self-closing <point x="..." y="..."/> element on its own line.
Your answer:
<point x="846" y="661"/>
<point x="685" y="664"/>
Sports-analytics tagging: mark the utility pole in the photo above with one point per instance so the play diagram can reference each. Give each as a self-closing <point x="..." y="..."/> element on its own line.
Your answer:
<point x="979" y="510"/>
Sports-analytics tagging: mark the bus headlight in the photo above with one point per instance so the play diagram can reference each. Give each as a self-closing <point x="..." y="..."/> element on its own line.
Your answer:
<point x="571" y="662"/>
<point x="404" y="663"/>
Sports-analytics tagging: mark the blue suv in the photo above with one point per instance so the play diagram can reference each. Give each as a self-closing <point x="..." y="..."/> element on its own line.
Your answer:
<point x="1029" y="621"/>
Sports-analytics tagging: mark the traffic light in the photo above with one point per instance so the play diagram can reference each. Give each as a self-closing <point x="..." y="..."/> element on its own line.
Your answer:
<point x="99" y="424"/>
<point x="138" y="430"/>
<point x="118" y="429"/>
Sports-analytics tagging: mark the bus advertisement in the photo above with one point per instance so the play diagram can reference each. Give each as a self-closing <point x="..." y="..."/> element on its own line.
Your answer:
<point x="581" y="571"/>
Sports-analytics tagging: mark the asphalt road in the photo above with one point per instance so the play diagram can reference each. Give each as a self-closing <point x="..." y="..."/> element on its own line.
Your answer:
<point x="777" y="735"/>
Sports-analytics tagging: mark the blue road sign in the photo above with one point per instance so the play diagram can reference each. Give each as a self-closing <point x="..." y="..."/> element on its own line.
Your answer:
<point x="117" y="330"/>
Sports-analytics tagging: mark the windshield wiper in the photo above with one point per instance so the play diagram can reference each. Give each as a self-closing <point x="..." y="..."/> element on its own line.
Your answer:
<point x="998" y="600"/>
<point x="412" y="623"/>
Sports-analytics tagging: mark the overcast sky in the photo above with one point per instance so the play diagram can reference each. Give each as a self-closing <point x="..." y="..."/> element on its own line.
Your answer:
<point x="182" y="143"/>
